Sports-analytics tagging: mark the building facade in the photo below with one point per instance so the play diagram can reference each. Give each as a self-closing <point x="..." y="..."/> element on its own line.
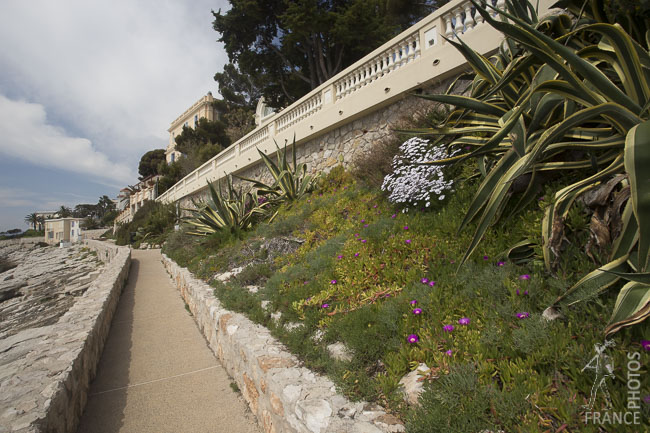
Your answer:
<point x="132" y="199"/>
<point x="63" y="230"/>
<point x="203" y="108"/>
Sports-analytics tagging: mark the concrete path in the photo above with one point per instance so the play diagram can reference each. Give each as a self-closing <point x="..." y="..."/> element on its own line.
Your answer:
<point x="157" y="373"/>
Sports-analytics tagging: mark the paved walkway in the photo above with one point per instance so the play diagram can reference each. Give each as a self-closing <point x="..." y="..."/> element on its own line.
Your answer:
<point x="157" y="373"/>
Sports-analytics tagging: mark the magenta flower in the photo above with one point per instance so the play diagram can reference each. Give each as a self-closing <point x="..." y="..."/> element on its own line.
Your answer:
<point x="485" y="257"/>
<point x="523" y="315"/>
<point x="356" y="254"/>
<point x="408" y="241"/>
<point x="363" y="241"/>
<point x="524" y="277"/>
<point x="406" y="227"/>
<point x="448" y="328"/>
<point x="333" y="282"/>
<point x="646" y="345"/>
<point x="432" y="283"/>
<point x="356" y="235"/>
<point x="375" y="206"/>
<point x="449" y="352"/>
<point x="417" y="311"/>
<point x="340" y="256"/>
<point x="366" y="225"/>
<point x="414" y="302"/>
<point x="363" y="221"/>
<point x="501" y="263"/>
<point x="424" y="280"/>
<point x="646" y="399"/>
<point x="325" y="306"/>
<point x="526" y="292"/>
<point x="517" y="292"/>
<point x="413" y="338"/>
<point x="463" y="321"/>
<point x="394" y="216"/>
<point x="306" y="282"/>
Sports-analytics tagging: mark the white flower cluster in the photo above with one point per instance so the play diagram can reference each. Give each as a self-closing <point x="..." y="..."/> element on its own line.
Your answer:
<point x="413" y="183"/>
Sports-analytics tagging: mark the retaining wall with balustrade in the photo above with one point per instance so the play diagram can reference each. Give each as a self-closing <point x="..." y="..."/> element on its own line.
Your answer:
<point x="415" y="59"/>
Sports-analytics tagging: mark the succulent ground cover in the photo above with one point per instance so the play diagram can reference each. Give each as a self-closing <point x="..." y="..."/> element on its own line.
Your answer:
<point x="352" y="268"/>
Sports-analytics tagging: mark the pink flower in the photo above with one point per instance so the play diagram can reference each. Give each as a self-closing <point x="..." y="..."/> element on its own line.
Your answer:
<point x="523" y="315"/>
<point x="375" y="206"/>
<point x="463" y="321"/>
<point x="646" y="345"/>
<point x="406" y="227"/>
<point x="413" y="338"/>
<point x="414" y="302"/>
<point x="524" y="277"/>
<point x="356" y="235"/>
<point x="424" y="280"/>
<point x="432" y="283"/>
<point x="449" y="352"/>
<point x="356" y="254"/>
<point x="485" y="257"/>
<point x="363" y="221"/>
<point x="325" y="306"/>
<point x="339" y="256"/>
<point x="417" y="311"/>
<point x="393" y="216"/>
<point x="448" y="328"/>
<point x="333" y="282"/>
<point x="501" y="263"/>
<point x="366" y="225"/>
<point x="363" y="241"/>
<point x="408" y="241"/>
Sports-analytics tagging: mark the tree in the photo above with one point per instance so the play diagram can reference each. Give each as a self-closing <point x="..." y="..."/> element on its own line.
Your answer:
<point x="239" y="95"/>
<point x="149" y="163"/>
<point x="284" y="49"/>
<point x="206" y="132"/>
<point x="104" y="205"/>
<point x="64" y="212"/>
<point x="32" y="219"/>
<point x="84" y="210"/>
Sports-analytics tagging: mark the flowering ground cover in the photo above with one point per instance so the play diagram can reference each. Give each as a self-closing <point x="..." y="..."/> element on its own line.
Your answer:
<point x="388" y="285"/>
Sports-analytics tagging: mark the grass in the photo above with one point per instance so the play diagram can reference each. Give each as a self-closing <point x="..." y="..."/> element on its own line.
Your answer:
<point x="354" y="280"/>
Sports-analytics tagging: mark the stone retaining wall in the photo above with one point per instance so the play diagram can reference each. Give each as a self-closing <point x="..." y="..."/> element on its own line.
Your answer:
<point x="285" y="397"/>
<point x="47" y="370"/>
<point x="21" y="241"/>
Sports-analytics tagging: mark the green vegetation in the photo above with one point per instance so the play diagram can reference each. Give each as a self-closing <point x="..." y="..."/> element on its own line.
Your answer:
<point x="563" y="100"/>
<point x="357" y="269"/>
<point x="151" y="224"/>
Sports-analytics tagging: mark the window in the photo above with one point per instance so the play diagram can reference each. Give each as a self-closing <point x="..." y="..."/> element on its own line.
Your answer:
<point x="71" y="233"/>
<point x="172" y="156"/>
<point x="196" y="120"/>
<point x="50" y="235"/>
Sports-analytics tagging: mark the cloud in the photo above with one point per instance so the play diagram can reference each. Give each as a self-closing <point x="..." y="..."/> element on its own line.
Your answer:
<point x="116" y="72"/>
<point x="26" y="134"/>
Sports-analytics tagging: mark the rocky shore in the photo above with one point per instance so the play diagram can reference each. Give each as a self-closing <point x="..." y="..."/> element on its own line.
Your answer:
<point x="41" y="283"/>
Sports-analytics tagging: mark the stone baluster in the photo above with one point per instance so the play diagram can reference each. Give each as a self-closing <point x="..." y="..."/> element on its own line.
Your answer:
<point x="449" y="31"/>
<point x="479" y="19"/>
<point x="501" y="4"/>
<point x="406" y="51"/>
<point x="384" y="66"/>
<point x="469" y="21"/>
<point x="396" y="58"/>
<point x="459" y="21"/>
<point x="416" y="49"/>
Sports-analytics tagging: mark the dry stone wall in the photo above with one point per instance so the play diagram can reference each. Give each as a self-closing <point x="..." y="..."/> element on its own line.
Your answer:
<point x="45" y="372"/>
<point x="285" y="397"/>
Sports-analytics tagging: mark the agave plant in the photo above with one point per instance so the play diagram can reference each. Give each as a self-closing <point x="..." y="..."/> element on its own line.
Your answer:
<point x="290" y="183"/>
<point x="563" y="96"/>
<point x="237" y="210"/>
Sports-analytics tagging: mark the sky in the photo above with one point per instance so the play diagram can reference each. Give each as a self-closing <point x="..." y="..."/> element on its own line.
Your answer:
<point x="87" y="87"/>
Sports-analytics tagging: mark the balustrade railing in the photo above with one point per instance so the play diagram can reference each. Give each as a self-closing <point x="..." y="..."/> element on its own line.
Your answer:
<point x="404" y="63"/>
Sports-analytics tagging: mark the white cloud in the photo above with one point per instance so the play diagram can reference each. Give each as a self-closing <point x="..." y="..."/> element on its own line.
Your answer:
<point x="26" y="134"/>
<point x="116" y="72"/>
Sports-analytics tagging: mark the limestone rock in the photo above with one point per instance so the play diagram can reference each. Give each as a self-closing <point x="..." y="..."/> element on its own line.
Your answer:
<point x="411" y="385"/>
<point x="340" y="352"/>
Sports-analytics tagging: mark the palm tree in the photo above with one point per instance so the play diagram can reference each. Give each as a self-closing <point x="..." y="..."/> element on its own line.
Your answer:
<point x="32" y="219"/>
<point x="64" y="212"/>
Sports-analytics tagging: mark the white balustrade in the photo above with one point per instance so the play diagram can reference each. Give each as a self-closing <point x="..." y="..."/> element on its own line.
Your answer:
<point x="254" y="139"/>
<point x="399" y="54"/>
<point x="300" y="112"/>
